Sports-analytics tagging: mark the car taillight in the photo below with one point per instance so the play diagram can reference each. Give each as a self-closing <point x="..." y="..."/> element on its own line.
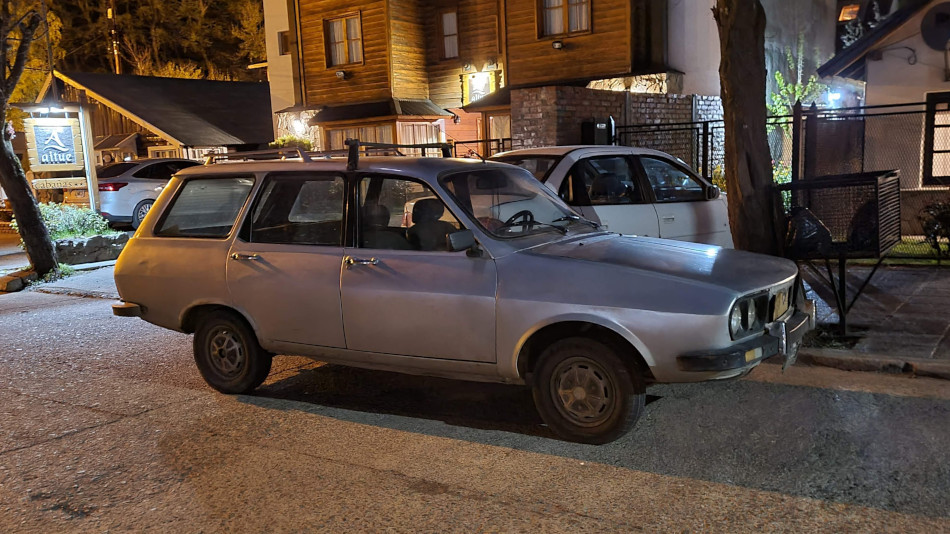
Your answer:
<point x="112" y="186"/>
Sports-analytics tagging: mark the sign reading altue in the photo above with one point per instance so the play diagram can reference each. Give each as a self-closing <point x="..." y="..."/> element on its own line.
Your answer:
<point x="54" y="144"/>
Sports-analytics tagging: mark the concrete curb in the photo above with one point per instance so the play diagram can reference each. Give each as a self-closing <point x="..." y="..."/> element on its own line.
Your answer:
<point x="880" y="363"/>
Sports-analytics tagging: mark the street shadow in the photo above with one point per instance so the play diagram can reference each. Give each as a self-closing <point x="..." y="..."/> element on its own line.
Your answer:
<point x="361" y="395"/>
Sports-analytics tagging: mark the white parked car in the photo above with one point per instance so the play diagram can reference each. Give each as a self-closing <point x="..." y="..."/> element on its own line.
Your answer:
<point x="128" y="189"/>
<point x="630" y="190"/>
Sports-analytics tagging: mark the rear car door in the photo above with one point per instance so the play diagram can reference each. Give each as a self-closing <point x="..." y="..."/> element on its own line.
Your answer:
<point x="682" y="208"/>
<point x="403" y="291"/>
<point x="605" y="189"/>
<point x="284" y="266"/>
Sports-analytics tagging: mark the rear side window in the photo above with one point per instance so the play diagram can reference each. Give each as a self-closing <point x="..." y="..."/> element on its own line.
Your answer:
<point x="205" y="207"/>
<point x="298" y="209"/>
<point x="111" y="171"/>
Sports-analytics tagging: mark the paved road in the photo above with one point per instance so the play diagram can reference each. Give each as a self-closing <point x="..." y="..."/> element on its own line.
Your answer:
<point x="106" y="425"/>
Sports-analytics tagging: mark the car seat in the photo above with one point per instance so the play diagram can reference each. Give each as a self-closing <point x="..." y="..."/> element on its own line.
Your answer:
<point x="376" y="232"/>
<point x="428" y="231"/>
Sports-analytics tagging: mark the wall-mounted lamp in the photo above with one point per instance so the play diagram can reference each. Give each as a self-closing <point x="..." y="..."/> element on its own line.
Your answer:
<point x="341" y="74"/>
<point x="557" y="45"/>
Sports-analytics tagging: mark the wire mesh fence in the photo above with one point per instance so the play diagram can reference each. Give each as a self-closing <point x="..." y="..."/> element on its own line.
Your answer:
<point x="834" y="142"/>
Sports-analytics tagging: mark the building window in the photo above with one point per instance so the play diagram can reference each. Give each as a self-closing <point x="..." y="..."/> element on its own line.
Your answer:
<point x="343" y="40"/>
<point x="559" y="17"/>
<point x="283" y="42"/>
<point x="849" y="12"/>
<point x="450" y="34"/>
<point x="371" y="134"/>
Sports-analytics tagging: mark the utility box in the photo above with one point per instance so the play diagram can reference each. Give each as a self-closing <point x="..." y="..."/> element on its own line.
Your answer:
<point x="598" y="131"/>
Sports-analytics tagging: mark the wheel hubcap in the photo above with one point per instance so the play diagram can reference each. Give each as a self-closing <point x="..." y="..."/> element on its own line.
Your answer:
<point x="584" y="390"/>
<point x="143" y="211"/>
<point x="227" y="352"/>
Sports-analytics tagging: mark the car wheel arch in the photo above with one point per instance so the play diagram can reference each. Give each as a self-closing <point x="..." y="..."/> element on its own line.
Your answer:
<point x="625" y="343"/>
<point x="191" y="316"/>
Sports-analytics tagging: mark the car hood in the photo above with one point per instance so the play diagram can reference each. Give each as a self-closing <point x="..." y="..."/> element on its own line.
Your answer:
<point x="736" y="270"/>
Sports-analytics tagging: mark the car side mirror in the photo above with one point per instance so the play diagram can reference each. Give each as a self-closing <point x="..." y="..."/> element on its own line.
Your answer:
<point x="464" y="240"/>
<point x="712" y="192"/>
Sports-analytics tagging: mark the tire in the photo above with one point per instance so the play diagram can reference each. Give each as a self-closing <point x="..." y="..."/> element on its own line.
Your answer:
<point x="140" y="211"/>
<point x="228" y="355"/>
<point x="568" y="374"/>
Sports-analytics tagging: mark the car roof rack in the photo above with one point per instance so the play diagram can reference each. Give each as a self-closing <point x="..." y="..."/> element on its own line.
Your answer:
<point x="268" y="154"/>
<point x="354" y="145"/>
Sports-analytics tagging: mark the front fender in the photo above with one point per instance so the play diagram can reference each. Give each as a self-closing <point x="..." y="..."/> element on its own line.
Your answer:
<point x="509" y="366"/>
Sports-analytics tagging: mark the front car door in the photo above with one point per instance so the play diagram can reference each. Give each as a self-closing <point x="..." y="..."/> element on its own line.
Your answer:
<point x="682" y="208"/>
<point x="605" y="189"/>
<point x="403" y="291"/>
<point x="284" y="267"/>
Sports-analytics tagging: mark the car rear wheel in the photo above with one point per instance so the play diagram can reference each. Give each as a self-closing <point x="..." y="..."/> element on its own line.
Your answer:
<point x="228" y="355"/>
<point x="585" y="393"/>
<point x="140" y="211"/>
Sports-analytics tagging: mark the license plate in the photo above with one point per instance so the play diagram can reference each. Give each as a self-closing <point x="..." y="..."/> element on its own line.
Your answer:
<point x="781" y="304"/>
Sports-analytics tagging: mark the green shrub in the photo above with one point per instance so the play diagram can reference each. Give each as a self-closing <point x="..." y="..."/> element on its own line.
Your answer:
<point x="286" y="141"/>
<point x="65" y="222"/>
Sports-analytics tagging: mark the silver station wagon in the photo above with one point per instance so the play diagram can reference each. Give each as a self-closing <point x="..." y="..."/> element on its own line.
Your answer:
<point x="490" y="278"/>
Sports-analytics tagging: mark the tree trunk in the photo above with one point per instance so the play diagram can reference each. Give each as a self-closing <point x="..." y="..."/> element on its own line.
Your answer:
<point x="753" y="212"/>
<point x="32" y="230"/>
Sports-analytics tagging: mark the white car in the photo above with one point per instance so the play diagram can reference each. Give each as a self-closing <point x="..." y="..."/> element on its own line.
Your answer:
<point x="629" y="190"/>
<point x="128" y="189"/>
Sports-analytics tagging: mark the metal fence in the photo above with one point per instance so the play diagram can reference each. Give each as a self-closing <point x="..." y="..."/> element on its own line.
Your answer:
<point x="481" y="147"/>
<point x="833" y="142"/>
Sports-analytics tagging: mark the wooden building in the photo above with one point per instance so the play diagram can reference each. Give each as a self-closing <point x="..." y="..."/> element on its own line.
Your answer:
<point x="405" y="70"/>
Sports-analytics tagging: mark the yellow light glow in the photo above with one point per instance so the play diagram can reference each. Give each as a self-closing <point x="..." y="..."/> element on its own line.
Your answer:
<point x="849" y="12"/>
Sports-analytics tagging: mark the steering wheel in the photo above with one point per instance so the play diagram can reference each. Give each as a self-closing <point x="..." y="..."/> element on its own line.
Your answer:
<point x="526" y="219"/>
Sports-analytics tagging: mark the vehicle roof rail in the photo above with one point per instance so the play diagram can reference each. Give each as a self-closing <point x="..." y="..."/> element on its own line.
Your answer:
<point x="268" y="154"/>
<point x="354" y="145"/>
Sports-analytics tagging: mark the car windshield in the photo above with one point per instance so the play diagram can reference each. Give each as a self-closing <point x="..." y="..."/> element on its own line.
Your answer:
<point x="111" y="171"/>
<point x="539" y="166"/>
<point x="508" y="203"/>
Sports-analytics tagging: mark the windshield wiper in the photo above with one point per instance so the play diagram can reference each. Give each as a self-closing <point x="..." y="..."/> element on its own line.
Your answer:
<point x="576" y="218"/>
<point x="535" y="223"/>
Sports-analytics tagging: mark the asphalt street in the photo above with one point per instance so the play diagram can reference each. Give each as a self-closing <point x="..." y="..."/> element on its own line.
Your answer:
<point x="105" y="424"/>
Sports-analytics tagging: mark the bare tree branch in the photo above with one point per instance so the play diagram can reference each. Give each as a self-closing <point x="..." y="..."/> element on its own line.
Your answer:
<point x="27" y="30"/>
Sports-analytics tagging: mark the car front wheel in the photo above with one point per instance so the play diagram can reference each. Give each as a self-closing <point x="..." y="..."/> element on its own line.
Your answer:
<point x="585" y="393"/>
<point x="140" y="211"/>
<point x="228" y="355"/>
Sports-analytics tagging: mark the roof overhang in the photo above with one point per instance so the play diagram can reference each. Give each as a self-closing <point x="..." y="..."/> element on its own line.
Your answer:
<point x="394" y="107"/>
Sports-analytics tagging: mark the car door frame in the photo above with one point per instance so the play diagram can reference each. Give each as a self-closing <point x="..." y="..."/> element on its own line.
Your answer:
<point x="664" y="210"/>
<point x="478" y="306"/>
<point x="590" y="210"/>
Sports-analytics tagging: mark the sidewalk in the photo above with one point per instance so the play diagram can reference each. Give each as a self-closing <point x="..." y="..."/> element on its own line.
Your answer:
<point x="12" y="257"/>
<point x="901" y="321"/>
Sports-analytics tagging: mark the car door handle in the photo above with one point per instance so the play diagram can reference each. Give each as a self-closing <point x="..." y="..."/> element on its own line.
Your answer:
<point x="245" y="257"/>
<point x="350" y="261"/>
<point x="668" y="218"/>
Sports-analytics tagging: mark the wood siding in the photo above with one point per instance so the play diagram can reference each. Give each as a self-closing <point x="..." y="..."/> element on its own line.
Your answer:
<point x="604" y="52"/>
<point x="479" y="44"/>
<point x="104" y="120"/>
<point x="365" y="82"/>
<point x="407" y="38"/>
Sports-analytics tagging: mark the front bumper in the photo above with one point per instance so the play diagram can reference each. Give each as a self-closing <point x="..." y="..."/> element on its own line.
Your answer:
<point x="781" y="338"/>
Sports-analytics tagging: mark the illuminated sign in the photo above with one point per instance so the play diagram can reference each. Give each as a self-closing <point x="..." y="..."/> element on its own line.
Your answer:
<point x="54" y="144"/>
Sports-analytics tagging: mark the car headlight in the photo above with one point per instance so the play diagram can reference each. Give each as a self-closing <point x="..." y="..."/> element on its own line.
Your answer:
<point x="748" y="315"/>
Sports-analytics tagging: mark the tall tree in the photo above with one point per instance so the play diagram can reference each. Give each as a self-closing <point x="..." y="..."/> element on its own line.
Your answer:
<point x="19" y="22"/>
<point x="753" y="212"/>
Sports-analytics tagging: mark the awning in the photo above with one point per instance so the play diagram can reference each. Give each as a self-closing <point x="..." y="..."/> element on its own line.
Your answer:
<point x="393" y="107"/>
<point x="499" y="98"/>
<point x="117" y="141"/>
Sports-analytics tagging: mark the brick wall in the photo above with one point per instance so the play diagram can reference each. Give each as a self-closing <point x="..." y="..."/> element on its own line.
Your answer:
<point x="552" y="115"/>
